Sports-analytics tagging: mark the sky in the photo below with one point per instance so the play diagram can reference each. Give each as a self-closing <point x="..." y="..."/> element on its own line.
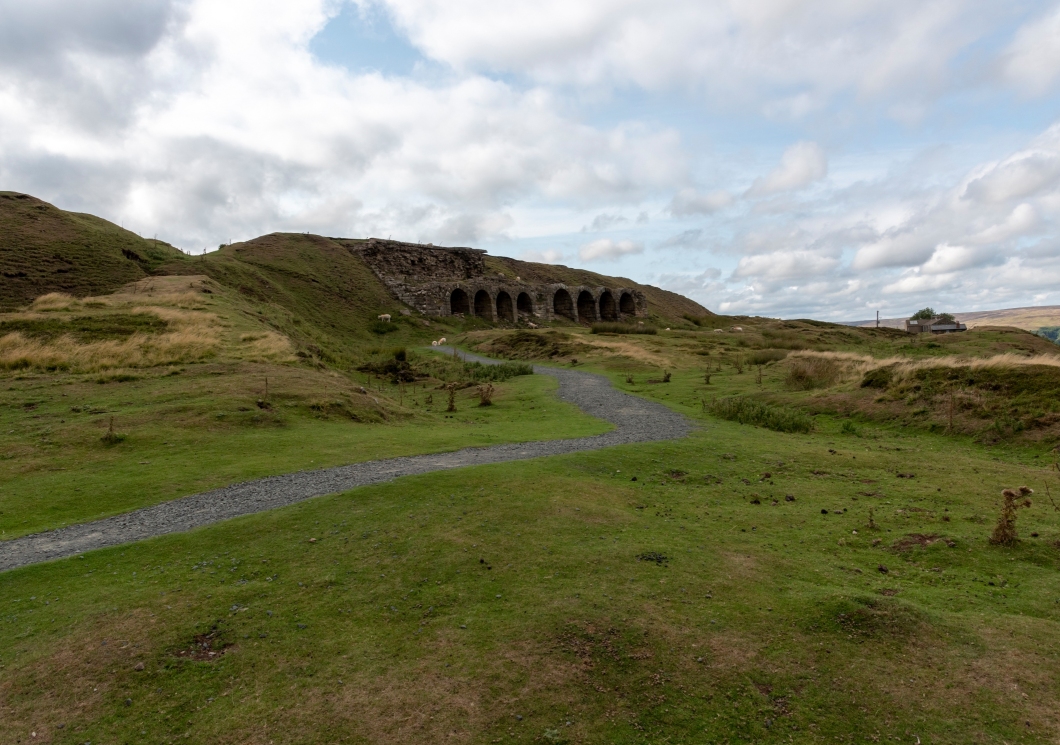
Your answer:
<point x="789" y="158"/>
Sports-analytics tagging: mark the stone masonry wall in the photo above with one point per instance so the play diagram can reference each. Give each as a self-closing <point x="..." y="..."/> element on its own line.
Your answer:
<point x="448" y="281"/>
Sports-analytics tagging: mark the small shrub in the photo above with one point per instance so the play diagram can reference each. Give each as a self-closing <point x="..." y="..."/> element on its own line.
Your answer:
<point x="737" y="362"/>
<point x="382" y="327"/>
<point x="706" y="377"/>
<point x="629" y="378"/>
<point x="806" y="373"/>
<point x="749" y="411"/>
<point x="622" y="328"/>
<point x="848" y="428"/>
<point x="1005" y="531"/>
<point x="485" y="394"/>
<point x="451" y="403"/>
<point x="666" y="376"/>
<point x="112" y="437"/>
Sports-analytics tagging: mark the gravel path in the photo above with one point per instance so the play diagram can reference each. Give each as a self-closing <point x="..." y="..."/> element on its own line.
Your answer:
<point x="635" y="420"/>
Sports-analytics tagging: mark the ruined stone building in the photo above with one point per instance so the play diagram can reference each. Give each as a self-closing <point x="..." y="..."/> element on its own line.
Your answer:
<point x="455" y="281"/>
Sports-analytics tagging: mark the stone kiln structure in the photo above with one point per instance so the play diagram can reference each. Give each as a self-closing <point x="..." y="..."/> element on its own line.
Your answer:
<point x="455" y="281"/>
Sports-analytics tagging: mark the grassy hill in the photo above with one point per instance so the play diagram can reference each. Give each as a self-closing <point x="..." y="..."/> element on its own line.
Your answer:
<point x="45" y="249"/>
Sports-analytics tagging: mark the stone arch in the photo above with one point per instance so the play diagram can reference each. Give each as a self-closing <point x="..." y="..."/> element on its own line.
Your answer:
<point x="505" y="312"/>
<point x="626" y="304"/>
<point x="586" y="307"/>
<point x="524" y="305"/>
<point x="483" y="305"/>
<point x="562" y="304"/>
<point x="608" y="309"/>
<point x="459" y="302"/>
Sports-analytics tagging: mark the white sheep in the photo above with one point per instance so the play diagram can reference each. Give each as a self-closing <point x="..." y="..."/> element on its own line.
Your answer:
<point x="384" y="317"/>
<point x="442" y="340"/>
<point x="434" y="343"/>
<point x="531" y="324"/>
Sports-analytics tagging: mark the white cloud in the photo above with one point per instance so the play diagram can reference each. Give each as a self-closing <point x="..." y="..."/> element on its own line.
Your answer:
<point x="227" y="125"/>
<point x="691" y="202"/>
<point x="607" y="249"/>
<point x="1017" y="177"/>
<point x="785" y="266"/>
<point x="758" y="50"/>
<point x="548" y="256"/>
<point x="1032" y="60"/>
<point x="801" y="164"/>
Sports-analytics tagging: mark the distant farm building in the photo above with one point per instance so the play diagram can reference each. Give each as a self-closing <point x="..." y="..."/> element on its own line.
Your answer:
<point x="934" y="326"/>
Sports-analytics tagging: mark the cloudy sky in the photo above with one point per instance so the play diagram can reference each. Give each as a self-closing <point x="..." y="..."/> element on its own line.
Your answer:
<point x="793" y="158"/>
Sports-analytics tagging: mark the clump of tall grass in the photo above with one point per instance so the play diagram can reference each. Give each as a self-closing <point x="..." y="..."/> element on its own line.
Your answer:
<point x="485" y="394"/>
<point x="904" y="368"/>
<point x="765" y="356"/>
<point x="622" y="328"/>
<point x="747" y="410"/>
<point x="139" y="350"/>
<point x="806" y="373"/>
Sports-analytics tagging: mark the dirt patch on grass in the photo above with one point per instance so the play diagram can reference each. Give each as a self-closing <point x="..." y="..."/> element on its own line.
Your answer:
<point x="913" y="540"/>
<point x="208" y="646"/>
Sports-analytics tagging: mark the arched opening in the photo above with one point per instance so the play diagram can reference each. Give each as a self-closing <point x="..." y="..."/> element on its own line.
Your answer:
<point x="626" y="304"/>
<point x="608" y="309"/>
<point x="586" y="307"/>
<point x="458" y="302"/>
<point x="483" y="305"/>
<point x="524" y="304"/>
<point x="504" y="306"/>
<point x="563" y="305"/>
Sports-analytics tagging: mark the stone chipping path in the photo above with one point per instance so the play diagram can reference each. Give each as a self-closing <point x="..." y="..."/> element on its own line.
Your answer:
<point x="635" y="420"/>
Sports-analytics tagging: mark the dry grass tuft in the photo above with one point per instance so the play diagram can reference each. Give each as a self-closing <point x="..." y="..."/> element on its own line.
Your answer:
<point x="809" y="372"/>
<point x="139" y="350"/>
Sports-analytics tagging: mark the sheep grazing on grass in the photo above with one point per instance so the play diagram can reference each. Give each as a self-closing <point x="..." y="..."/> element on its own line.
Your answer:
<point x="384" y="317"/>
<point x="442" y="340"/>
<point x="434" y="343"/>
<point x="531" y="324"/>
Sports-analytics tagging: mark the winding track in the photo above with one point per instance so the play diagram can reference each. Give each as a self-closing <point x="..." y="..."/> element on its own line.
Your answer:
<point x="635" y="420"/>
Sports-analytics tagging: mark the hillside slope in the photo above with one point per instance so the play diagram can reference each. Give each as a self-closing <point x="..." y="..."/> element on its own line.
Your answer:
<point x="45" y="249"/>
<point x="310" y="288"/>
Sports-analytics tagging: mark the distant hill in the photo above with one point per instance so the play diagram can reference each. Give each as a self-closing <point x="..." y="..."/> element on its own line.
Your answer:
<point x="1029" y="319"/>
